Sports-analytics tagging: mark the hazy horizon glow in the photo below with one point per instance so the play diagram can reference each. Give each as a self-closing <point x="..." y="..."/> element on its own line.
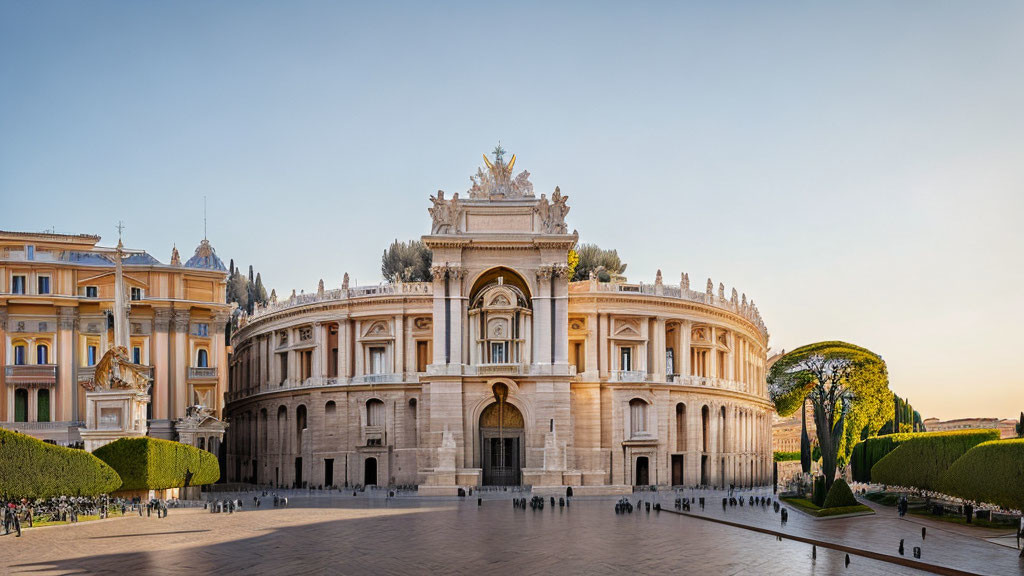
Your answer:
<point x="857" y="170"/>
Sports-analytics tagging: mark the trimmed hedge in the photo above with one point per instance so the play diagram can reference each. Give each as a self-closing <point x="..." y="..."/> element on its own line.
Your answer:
<point x="786" y="456"/>
<point x="919" y="461"/>
<point x="868" y="453"/>
<point x="991" y="472"/>
<point x="840" y="495"/>
<point x="155" y="464"/>
<point x="31" y="468"/>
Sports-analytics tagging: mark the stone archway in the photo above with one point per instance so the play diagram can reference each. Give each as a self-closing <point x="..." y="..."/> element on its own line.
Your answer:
<point x="502" y="444"/>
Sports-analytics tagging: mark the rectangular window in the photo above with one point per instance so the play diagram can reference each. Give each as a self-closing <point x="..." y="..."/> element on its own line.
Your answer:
<point x="19" y="355"/>
<point x="421" y="356"/>
<point x="377" y="364"/>
<point x="17" y="284"/>
<point x="137" y="355"/>
<point x="91" y="356"/>
<point x="44" y="284"/>
<point x="201" y="329"/>
<point x="91" y="292"/>
<point x="625" y="358"/>
<point x="499" y="352"/>
<point x="136" y="293"/>
<point x="30" y="252"/>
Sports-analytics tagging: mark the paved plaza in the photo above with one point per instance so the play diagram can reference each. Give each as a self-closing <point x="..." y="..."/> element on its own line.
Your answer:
<point x="362" y="535"/>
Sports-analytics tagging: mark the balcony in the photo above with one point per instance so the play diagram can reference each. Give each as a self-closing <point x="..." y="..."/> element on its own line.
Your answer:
<point x="197" y="373"/>
<point x="377" y="379"/>
<point x="628" y="376"/>
<point x="499" y="369"/>
<point x="37" y="374"/>
<point x="373" y="435"/>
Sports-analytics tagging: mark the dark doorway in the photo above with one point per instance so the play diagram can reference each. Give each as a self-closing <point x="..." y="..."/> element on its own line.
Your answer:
<point x="677" y="469"/>
<point x="328" y="471"/>
<point x="298" y="472"/>
<point x="255" y="478"/>
<point x="642" y="471"/>
<point x="502" y="444"/>
<point x="370" y="472"/>
<point x="704" y="471"/>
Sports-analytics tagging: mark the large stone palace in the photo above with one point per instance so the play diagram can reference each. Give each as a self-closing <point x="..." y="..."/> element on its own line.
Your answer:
<point x="57" y="294"/>
<point x="500" y="370"/>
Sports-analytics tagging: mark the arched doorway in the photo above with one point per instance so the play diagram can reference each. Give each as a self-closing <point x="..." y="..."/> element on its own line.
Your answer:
<point x="643" y="476"/>
<point x="502" y="445"/>
<point x="370" y="472"/>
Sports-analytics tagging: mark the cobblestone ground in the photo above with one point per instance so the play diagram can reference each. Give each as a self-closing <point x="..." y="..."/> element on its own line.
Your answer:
<point x="345" y="535"/>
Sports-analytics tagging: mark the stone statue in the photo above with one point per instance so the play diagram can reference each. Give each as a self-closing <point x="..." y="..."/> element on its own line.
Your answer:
<point x="175" y="258"/>
<point x="320" y="288"/>
<point x="445" y="214"/>
<point x="684" y="281"/>
<point x="344" y="282"/>
<point x="559" y="209"/>
<point x="116" y="370"/>
<point x="711" y="287"/>
<point x="497" y="181"/>
<point x="721" y="291"/>
<point x="657" y="277"/>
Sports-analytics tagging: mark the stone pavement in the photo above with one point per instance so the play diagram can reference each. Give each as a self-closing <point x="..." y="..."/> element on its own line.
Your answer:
<point x="345" y="535"/>
<point x="960" y="547"/>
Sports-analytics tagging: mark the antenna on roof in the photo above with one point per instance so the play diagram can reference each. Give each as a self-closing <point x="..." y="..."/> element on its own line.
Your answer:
<point x="120" y="230"/>
<point x="204" y="217"/>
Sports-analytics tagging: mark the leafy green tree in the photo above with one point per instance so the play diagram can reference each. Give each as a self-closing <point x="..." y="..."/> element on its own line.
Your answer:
<point x="1020" y="426"/>
<point x="604" y="263"/>
<point x="261" y="291"/>
<point x="238" y="290"/>
<point x="406" y="262"/>
<point x="836" y="376"/>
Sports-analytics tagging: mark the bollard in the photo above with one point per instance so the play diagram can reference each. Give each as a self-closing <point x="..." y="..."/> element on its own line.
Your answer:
<point x="901" y="546"/>
<point x="479" y="501"/>
<point x="847" y="560"/>
<point x="814" y="552"/>
<point x="923" y="529"/>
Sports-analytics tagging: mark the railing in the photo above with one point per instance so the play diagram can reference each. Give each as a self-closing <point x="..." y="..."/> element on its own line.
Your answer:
<point x="339" y="294"/>
<point x="734" y="304"/>
<point x="197" y="373"/>
<point x="629" y="376"/>
<point x="377" y="379"/>
<point x="373" y="435"/>
<point x="499" y="369"/>
<point x="38" y="426"/>
<point x="31" y="374"/>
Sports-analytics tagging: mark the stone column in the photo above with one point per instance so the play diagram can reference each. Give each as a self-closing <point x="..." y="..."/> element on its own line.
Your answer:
<point x="440" y="325"/>
<point x="660" y="362"/>
<point x="561" y="324"/>
<point x="66" y="406"/>
<point x="604" y="352"/>
<point x="399" y="363"/>
<point x="344" y="362"/>
<point x="685" y="333"/>
<point x="178" y="392"/>
<point x="590" y="346"/>
<point x="219" y="359"/>
<point x="542" y="317"/>
<point x="160" y="358"/>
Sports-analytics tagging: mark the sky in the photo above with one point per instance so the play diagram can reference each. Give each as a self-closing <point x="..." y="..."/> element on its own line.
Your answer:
<point x="855" y="168"/>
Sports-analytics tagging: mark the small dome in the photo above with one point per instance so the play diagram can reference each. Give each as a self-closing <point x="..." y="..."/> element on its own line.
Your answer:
<point x="205" y="258"/>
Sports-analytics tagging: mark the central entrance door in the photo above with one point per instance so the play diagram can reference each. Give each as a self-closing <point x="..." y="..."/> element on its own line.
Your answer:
<point x="502" y="445"/>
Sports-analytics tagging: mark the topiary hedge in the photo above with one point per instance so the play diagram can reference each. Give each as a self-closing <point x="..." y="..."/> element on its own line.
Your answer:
<point x="818" y="493"/>
<point x="155" y="464"/>
<point x="31" y="468"/>
<point x="786" y="456"/>
<point x="919" y="461"/>
<point x="991" y="472"/>
<point x="840" y="495"/>
<point x="868" y="453"/>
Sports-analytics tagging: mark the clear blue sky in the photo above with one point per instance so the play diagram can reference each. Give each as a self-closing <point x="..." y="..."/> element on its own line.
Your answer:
<point x="856" y="168"/>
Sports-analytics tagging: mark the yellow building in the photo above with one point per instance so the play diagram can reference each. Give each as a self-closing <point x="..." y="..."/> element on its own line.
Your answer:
<point x="56" y="291"/>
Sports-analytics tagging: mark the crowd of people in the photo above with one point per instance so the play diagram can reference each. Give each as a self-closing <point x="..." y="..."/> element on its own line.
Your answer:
<point x="25" y="512"/>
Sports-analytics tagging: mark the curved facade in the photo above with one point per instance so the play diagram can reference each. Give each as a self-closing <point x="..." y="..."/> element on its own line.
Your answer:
<point x="500" y="371"/>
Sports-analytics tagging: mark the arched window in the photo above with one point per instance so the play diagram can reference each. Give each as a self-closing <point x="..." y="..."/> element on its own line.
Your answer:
<point x="705" y="416"/>
<point x="330" y="408"/>
<point x="637" y="417"/>
<point x="721" y="430"/>
<point x="202" y="358"/>
<point x="300" y="425"/>
<point x="19" y="354"/>
<point x="680" y="427"/>
<point x="42" y="354"/>
<point x="43" y="405"/>
<point x="374" y="412"/>
<point x="499" y="316"/>
<point x="410" y="423"/>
